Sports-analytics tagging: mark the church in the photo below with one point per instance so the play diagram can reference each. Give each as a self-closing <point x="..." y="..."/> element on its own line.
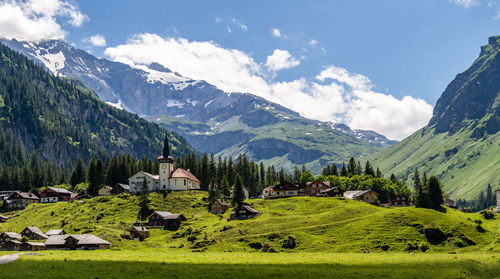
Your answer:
<point x="167" y="178"/>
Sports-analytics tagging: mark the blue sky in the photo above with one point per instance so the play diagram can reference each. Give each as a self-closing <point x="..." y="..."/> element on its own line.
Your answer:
<point x="404" y="48"/>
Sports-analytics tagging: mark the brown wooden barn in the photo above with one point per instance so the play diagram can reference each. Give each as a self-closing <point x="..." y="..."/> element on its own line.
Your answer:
<point x="6" y="236"/>
<point x="314" y="188"/>
<point x="34" y="233"/>
<point x="19" y="200"/>
<point x="138" y="233"/>
<point x="242" y="212"/>
<point x="401" y="201"/>
<point x="333" y="192"/>
<point x="165" y="219"/>
<point x="76" y="242"/>
<point x="219" y="206"/>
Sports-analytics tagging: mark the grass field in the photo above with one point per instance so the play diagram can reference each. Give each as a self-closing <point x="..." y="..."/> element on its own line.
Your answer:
<point x="318" y="224"/>
<point x="156" y="264"/>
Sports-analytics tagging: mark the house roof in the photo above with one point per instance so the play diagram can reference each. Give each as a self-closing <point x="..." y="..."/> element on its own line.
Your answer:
<point x="180" y="173"/>
<point x="247" y="207"/>
<point x="55" y="232"/>
<point x="3" y="217"/>
<point x="152" y="176"/>
<point x="13" y="235"/>
<point x="123" y="186"/>
<point x="24" y="195"/>
<point x="222" y="202"/>
<point x="39" y="244"/>
<point x="15" y="242"/>
<point x="355" y="194"/>
<point x="60" y="190"/>
<point x="285" y="186"/>
<point x="83" y="239"/>
<point x="163" y="214"/>
<point x="330" y="189"/>
<point x="107" y="187"/>
<point x="140" y="229"/>
<point x="37" y="231"/>
<point x="317" y="182"/>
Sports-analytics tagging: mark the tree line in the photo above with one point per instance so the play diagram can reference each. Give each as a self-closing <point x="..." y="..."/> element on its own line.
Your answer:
<point x="484" y="200"/>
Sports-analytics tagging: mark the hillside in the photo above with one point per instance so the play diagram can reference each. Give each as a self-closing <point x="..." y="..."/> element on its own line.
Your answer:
<point x="318" y="224"/>
<point x="461" y="143"/>
<point x="212" y="120"/>
<point x="61" y="119"/>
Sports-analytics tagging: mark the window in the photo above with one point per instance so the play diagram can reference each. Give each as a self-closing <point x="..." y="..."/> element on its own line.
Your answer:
<point x="185" y="182"/>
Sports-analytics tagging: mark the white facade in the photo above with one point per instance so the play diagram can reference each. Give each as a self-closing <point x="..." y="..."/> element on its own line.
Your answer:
<point x="498" y="197"/>
<point x="182" y="183"/>
<point x="153" y="181"/>
<point x="166" y="168"/>
<point x="268" y="192"/>
<point x="49" y="199"/>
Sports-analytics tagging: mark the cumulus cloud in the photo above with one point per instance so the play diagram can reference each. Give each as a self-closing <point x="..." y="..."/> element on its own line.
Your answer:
<point x="334" y="94"/>
<point x="37" y="20"/>
<point x="281" y="59"/>
<point x="465" y="3"/>
<point x="276" y="32"/>
<point x="96" y="40"/>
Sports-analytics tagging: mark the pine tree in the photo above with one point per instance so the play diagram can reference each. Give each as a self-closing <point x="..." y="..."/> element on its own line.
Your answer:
<point x="435" y="193"/>
<point x="369" y="170"/>
<point x="213" y="192"/>
<point x="359" y="169"/>
<point x="393" y="178"/>
<point x="343" y="171"/>
<point x="238" y="194"/>
<point x="379" y="173"/>
<point x="334" y="170"/>
<point x="166" y="148"/>
<point x="101" y="173"/>
<point x="92" y="178"/>
<point x="351" y="167"/>
<point x="78" y="176"/>
<point x="490" y="198"/>
<point x="224" y="187"/>
<point x="420" y="195"/>
<point x="144" y="209"/>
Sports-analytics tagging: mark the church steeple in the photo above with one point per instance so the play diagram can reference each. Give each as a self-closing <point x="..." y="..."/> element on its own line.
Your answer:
<point x="166" y="148"/>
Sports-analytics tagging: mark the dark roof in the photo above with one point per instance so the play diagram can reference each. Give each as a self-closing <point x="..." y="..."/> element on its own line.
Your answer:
<point x="24" y="195"/>
<point x="335" y="189"/>
<point x="13" y="235"/>
<point x="123" y="186"/>
<point x="248" y="208"/>
<point x="286" y="186"/>
<point x="140" y="229"/>
<point x="37" y="231"/>
<point x="222" y="202"/>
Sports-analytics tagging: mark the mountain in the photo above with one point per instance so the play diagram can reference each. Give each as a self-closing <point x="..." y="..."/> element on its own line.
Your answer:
<point x="210" y="119"/>
<point x="62" y="120"/>
<point x="461" y="143"/>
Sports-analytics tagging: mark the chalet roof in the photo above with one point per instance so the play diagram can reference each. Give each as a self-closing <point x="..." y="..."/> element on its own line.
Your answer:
<point x="15" y="242"/>
<point x="107" y="187"/>
<point x="3" y="217"/>
<point x="39" y="244"/>
<point x="330" y="189"/>
<point x="163" y="214"/>
<point x="319" y="182"/>
<point x="13" y="235"/>
<point x="140" y="229"/>
<point x="24" y="195"/>
<point x="152" y="176"/>
<point x="180" y="173"/>
<point x="222" y="202"/>
<point x="37" y="231"/>
<point x="59" y="190"/>
<point x="285" y="186"/>
<point x="55" y="232"/>
<point x="123" y="186"/>
<point x="250" y="209"/>
<point x="355" y="194"/>
<point x="83" y="239"/>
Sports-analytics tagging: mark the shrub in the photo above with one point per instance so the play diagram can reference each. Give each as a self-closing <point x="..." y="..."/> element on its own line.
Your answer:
<point x="459" y="243"/>
<point x="424" y="247"/>
<point x="434" y="236"/>
<point x="255" y="245"/>
<point x="488" y="214"/>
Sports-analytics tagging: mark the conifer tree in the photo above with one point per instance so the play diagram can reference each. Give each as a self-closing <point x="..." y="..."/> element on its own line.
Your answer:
<point x="435" y="192"/>
<point x="334" y="170"/>
<point x="420" y="195"/>
<point x="369" y="170"/>
<point x="144" y="209"/>
<point x="92" y="178"/>
<point x="238" y="194"/>
<point x="343" y="171"/>
<point x="379" y="173"/>
<point x="224" y="187"/>
<point x="351" y="167"/>
<point x="78" y="176"/>
<point x="213" y="192"/>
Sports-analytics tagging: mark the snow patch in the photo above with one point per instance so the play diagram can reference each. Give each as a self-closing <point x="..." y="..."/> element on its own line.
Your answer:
<point x="119" y="105"/>
<point x="174" y="103"/>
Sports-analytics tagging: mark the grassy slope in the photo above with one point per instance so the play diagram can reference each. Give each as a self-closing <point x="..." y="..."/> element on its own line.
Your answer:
<point x="464" y="174"/>
<point x="318" y="224"/>
<point x="112" y="264"/>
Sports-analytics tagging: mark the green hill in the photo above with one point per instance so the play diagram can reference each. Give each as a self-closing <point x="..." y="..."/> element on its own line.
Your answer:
<point x="62" y="120"/>
<point x="461" y="143"/>
<point x="317" y="224"/>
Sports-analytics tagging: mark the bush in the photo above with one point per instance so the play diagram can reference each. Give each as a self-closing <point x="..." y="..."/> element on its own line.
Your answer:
<point x="289" y="243"/>
<point x="434" y="236"/>
<point x="255" y="245"/>
<point x="488" y="214"/>
<point x="424" y="247"/>
<point x="459" y="243"/>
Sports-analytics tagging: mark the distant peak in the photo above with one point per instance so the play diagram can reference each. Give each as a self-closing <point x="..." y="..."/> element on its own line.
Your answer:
<point x="158" y="67"/>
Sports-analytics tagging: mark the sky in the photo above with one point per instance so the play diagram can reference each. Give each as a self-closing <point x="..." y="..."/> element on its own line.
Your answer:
<point x="376" y="65"/>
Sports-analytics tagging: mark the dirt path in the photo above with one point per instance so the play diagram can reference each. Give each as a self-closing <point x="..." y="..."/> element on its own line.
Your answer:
<point x="9" y="258"/>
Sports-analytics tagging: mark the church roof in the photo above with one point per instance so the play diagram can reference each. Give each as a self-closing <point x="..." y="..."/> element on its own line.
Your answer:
<point x="180" y="173"/>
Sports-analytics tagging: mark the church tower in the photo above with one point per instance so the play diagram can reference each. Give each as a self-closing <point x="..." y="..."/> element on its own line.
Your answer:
<point x="166" y="164"/>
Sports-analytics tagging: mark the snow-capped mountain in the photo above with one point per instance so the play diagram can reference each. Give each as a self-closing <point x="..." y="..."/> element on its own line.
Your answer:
<point x="211" y="119"/>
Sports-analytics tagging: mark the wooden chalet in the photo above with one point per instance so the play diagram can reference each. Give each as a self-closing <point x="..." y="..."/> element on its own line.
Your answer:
<point x="105" y="191"/>
<point x="448" y="202"/>
<point x="165" y="219"/>
<point x="19" y="200"/>
<point x="302" y="189"/>
<point x="219" y="206"/>
<point x="401" y="201"/>
<point x="54" y="194"/>
<point x="3" y="219"/>
<point x="332" y="192"/>
<point x="138" y="233"/>
<point x="76" y="242"/>
<point x="314" y="188"/>
<point x="120" y="188"/>
<point x="368" y="196"/>
<point x="34" y="233"/>
<point x="55" y="232"/>
<point x="286" y="189"/>
<point x="11" y="245"/>
<point x="6" y="236"/>
<point x="32" y="246"/>
<point x="243" y="212"/>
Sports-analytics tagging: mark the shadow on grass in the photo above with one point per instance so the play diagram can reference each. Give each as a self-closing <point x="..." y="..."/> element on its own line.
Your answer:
<point x="38" y="268"/>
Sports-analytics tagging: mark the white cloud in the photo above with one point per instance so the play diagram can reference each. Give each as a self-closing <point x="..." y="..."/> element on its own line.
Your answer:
<point x="239" y="24"/>
<point x="465" y="3"/>
<point x="276" y="32"/>
<point x="334" y="94"/>
<point x="218" y="20"/>
<point x="36" y="20"/>
<point x="313" y="42"/>
<point x="281" y="59"/>
<point x="96" y="40"/>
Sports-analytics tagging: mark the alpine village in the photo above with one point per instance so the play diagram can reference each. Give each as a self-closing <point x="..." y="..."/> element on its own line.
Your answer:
<point x="150" y="158"/>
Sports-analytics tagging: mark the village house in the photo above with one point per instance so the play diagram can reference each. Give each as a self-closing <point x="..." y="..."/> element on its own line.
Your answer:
<point x="19" y="200"/>
<point x="219" y="206"/>
<point x="105" y="191"/>
<point x="3" y="219"/>
<point x="368" y="196"/>
<point x="5" y="194"/>
<point x="401" y="201"/>
<point x="11" y="245"/>
<point x="301" y="189"/>
<point x="167" y="179"/>
<point x="497" y="192"/>
<point x="76" y="242"/>
<point x="54" y="194"/>
<point x="120" y="188"/>
<point x="314" y="188"/>
<point x="138" y="233"/>
<point x="34" y="233"/>
<point x="268" y="192"/>
<point x="448" y="202"/>
<point x="286" y="189"/>
<point x="6" y="236"/>
<point x="55" y="232"/>
<point x="242" y="212"/>
<point x="165" y="219"/>
<point x="332" y="192"/>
